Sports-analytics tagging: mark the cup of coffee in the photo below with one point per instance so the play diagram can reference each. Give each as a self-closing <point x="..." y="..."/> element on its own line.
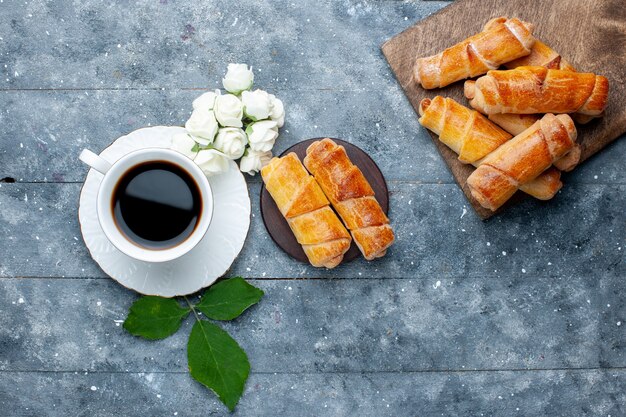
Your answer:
<point x="153" y="204"/>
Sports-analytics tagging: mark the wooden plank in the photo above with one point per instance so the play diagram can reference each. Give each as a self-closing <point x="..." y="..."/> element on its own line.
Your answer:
<point x="579" y="30"/>
<point x="48" y="129"/>
<point x="546" y="393"/>
<point x="581" y="232"/>
<point x="304" y="326"/>
<point x="163" y="44"/>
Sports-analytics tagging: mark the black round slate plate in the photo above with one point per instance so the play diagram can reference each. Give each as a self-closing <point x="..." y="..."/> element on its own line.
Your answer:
<point x="276" y="224"/>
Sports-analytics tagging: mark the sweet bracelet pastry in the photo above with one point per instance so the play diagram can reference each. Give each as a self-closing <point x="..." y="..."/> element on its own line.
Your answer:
<point x="301" y="201"/>
<point x="502" y="40"/>
<point x="541" y="55"/>
<point x="521" y="159"/>
<point x="517" y="123"/>
<point x="351" y="196"/>
<point x="473" y="137"/>
<point x="528" y="90"/>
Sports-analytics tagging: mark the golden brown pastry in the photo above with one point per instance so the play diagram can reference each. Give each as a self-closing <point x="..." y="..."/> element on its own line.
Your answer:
<point x="521" y="159"/>
<point x="473" y="137"/>
<point x="541" y="55"/>
<point x="501" y="41"/>
<point x="528" y="90"/>
<point x="301" y="201"/>
<point x="514" y="123"/>
<point x="517" y="123"/>
<point x="351" y="195"/>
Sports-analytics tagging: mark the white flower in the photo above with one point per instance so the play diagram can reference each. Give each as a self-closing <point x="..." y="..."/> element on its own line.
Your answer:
<point x="277" y="110"/>
<point x="212" y="161"/>
<point x="256" y="104"/>
<point x="253" y="161"/>
<point x="206" y="100"/>
<point x="238" y="78"/>
<point x="228" y="110"/>
<point x="231" y="141"/>
<point x="183" y="143"/>
<point x="202" y="125"/>
<point x="262" y="135"/>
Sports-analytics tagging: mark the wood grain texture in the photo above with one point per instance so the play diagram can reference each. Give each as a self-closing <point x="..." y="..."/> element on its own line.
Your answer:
<point x="590" y="35"/>
<point x="277" y="226"/>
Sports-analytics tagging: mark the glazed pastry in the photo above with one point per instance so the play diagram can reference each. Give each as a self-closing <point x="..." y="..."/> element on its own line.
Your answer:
<point x="541" y="55"/>
<point x="473" y="137"/>
<point x="501" y="41"/>
<point x="301" y="201"/>
<point x="517" y="123"/>
<point x="528" y="90"/>
<point x="521" y="159"/>
<point x="351" y="195"/>
<point x="514" y="123"/>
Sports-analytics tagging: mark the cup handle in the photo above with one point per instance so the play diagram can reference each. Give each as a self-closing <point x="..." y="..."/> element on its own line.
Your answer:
<point x="95" y="161"/>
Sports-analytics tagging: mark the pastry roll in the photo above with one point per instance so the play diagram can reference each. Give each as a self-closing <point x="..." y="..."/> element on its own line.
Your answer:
<point x="517" y="123"/>
<point x="528" y="90"/>
<point x="352" y="197"/>
<point x="541" y="55"/>
<point x="502" y="40"/>
<point x="301" y="201"/>
<point x="473" y="137"/>
<point x="521" y="159"/>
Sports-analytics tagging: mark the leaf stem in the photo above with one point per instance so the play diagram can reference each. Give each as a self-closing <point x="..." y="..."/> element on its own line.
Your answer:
<point x="192" y="307"/>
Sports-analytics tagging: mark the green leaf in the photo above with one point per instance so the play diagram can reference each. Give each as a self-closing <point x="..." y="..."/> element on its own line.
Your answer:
<point x="154" y="317"/>
<point x="228" y="299"/>
<point x="195" y="147"/>
<point x="217" y="361"/>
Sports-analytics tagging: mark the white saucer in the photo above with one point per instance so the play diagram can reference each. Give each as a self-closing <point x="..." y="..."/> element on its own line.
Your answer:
<point x="199" y="268"/>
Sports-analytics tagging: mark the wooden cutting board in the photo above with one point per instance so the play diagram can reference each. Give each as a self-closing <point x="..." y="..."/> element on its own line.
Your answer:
<point x="591" y="35"/>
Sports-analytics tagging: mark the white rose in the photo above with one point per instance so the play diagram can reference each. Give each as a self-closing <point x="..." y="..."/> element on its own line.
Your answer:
<point x="202" y="125"/>
<point x="262" y="135"/>
<point x="206" y="100"/>
<point x="256" y="104"/>
<point x="253" y="161"/>
<point x="277" y="110"/>
<point x="183" y="143"/>
<point x="231" y="141"/>
<point x="228" y="110"/>
<point x="238" y="78"/>
<point x="211" y="161"/>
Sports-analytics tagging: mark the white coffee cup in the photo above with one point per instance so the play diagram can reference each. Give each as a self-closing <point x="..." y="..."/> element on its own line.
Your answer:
<point x="113" y="172"/>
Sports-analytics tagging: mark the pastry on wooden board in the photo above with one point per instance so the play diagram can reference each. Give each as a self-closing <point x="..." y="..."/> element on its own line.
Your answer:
<point x="541" y="55"/>
<point x="473" y="137"/>
<point x="305" y="207"/>
<point x="502" y="40"/>
<point x="528" y="90"/>
<point x="517" y="123"/>
<point x="521" y="159"/>
<point x="351" y="196"/>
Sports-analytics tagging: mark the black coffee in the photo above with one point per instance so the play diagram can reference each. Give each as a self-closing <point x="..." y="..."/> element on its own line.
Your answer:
<point x="156" y="205"/>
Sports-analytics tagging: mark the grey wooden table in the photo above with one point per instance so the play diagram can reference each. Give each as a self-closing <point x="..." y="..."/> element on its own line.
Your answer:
<point x="524" y="314"/>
